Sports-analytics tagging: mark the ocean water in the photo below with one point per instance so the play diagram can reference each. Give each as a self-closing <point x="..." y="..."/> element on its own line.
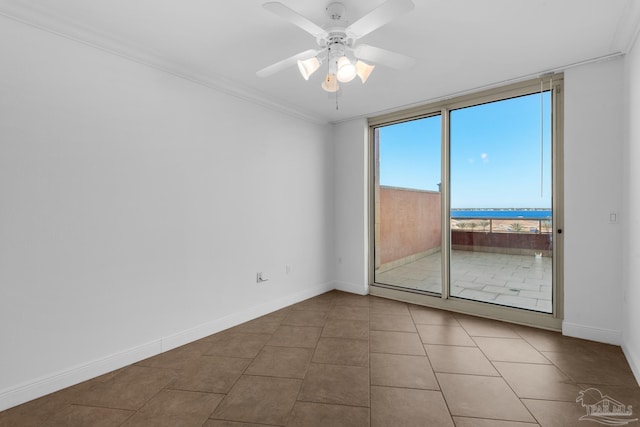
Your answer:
<point x="502" y="213"/>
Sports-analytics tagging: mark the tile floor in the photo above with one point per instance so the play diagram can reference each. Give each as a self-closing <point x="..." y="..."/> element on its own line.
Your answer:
<point x="347" y="360"/>
<point x="522" y="281"/>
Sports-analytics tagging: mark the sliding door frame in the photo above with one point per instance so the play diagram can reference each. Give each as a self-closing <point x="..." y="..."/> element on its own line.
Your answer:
<point x="552" y="321"/>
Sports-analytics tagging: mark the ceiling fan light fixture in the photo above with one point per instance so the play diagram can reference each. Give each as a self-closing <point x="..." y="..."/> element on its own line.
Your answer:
<point x="346" y="70"/>
<point x="330" y="83"/>
<point x="338" y="43"/>
<point x="364" y="70"/>
<point x="308" y="67"/>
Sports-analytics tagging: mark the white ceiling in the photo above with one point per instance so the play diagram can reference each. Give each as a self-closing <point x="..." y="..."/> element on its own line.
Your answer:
<point x="459" y="45"/>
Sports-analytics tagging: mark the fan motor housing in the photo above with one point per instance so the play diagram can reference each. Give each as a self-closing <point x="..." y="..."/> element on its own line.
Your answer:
<point x="335" y="35"/>
<point x="335" y="11"/>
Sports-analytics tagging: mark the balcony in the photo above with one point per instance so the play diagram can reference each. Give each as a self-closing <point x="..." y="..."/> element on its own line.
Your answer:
<point x="505" y="261"/>
<point x="521" y="281"/>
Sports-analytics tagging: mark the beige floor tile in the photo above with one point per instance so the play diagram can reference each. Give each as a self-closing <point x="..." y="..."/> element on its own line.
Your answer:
<point x="509" y="350"/>
<point x="479" y="327"/>
<point x="276" y="316"/>
<point x="288" y="362"/>
<point x="295" y="336"/>
<point x="263" y="400"/>
<point x="348" y="312"/>
<point x="408" y="407"/>
<point x="315" y="304"/>
<point x="403" y="371"/>
<point x="305" y="318"/>
<point x="482" y="397"/>
<point x="353" y="300"/>
<point x="557" y="414"/>
<point x="605" y="351"/>
<point x="9" y="418"/>
<point x="238" y="345"/>
<point x="396" y="343"/>
<point x="211" y="374"/>
<point x="431" y="316"/>
<point x="343" y="385"/>
<point x="391" y="322"/>
<point x="590" y="368"/>
<point x="178" y="358"/>
<point x="307" y="414"/>
<point x="339" y="328"/>
<point x="130" y="389"/>
<point x="445" y="335"/>
<point x="479" y="422"/>
<point x="258" y="326"/>
<point x="226" y="423"/>
<point x="37" y="411"/>
<point x="174" y="407"/>
<point x="342" y="351"/>
<point x="385" y="306"/>
<point x="537" y="381"/>
<point x="82" y="416"/>
<point x="459" y="360"/>
<point x="543" y="340"/>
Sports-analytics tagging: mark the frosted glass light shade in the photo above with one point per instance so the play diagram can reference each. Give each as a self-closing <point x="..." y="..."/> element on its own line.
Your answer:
<point x="308" y="67"/>
<point x="346" y="70"/>
<point x="363" y="70"/>
<point x="330" y="83"/>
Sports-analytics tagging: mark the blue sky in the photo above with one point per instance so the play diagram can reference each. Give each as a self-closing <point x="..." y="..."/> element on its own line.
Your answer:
<point x="494" y="156"/>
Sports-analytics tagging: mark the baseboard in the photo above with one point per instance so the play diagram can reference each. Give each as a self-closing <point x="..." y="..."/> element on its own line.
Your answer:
<point x="352" y="288"/>
<point x="47" y="384"/>
<point x="607" y="336"/>
<point x="634" y="361"/>
<point x="22" y="393"/>
<point x="217" y="325"/>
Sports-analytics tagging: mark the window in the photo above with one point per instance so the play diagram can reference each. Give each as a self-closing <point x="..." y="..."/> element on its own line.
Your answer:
<point x="466" y="203"/>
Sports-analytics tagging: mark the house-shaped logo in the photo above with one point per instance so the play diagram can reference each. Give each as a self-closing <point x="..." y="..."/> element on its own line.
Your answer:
<point x="604" y="409"/>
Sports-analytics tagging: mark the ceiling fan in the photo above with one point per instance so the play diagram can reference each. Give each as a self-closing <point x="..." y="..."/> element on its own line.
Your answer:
<point x="337" y="44"/>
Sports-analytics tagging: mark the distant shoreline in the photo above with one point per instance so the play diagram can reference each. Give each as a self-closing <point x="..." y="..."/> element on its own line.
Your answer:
<point x="497" y="213"/>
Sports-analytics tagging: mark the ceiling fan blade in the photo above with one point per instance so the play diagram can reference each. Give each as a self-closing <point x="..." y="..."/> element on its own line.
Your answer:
<point x="383" y="57"/>
<point x="295" y="18"/>
<point x="379" y="16"/>
<point x="286" y="63"/>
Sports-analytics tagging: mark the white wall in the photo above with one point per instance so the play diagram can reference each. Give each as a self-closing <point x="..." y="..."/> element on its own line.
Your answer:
<point x="631" y="221"/>
<point x="136" y="208"/>
<point x="350" y="139"/>
<point x="593" y="182"/>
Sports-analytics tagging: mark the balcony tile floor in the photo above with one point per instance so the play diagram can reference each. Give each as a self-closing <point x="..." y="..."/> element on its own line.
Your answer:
<point x="349" y="360"/>
<point x="522" y="281"/>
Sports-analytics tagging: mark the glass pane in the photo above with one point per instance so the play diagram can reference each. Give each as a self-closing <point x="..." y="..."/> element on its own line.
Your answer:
<point x="501" y="239"/>
<point x="408" y="218"/>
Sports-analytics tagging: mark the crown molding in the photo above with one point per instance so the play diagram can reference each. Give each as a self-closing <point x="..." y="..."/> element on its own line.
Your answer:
<point x="61" y="26"/>
<point x="628" y="27"/>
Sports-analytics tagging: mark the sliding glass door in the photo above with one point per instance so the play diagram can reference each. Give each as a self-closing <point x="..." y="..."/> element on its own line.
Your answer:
<point x="408" y="218"/>
<point x="465" y="205"/>
<point x="501" y="210"/>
